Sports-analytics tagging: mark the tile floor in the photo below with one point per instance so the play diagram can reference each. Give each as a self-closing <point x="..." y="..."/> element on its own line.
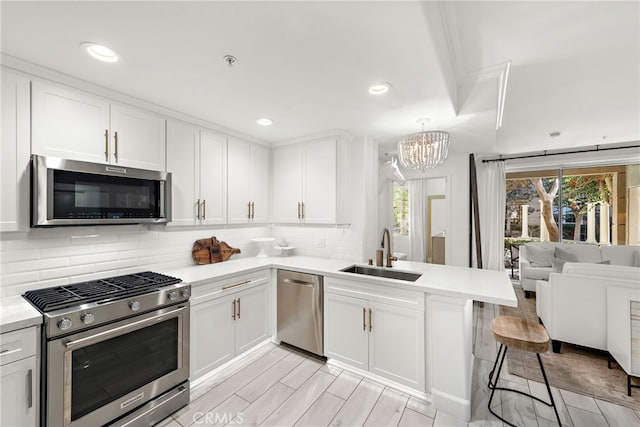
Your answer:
<point x="276" y="386"/>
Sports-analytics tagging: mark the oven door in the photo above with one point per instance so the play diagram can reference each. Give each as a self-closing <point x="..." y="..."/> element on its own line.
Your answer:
<point x="96" y="376"/>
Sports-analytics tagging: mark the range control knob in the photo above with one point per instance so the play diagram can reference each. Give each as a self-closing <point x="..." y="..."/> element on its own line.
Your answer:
<point x="173" y="295"/>
<point x="134" y="305"/>
<point x="65" y="323"/>
<point x="87" y="318"/>
<point x="185" y="293"/>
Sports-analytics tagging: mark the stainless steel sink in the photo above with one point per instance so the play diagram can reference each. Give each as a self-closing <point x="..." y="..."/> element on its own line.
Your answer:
<point x="379" y="272"/>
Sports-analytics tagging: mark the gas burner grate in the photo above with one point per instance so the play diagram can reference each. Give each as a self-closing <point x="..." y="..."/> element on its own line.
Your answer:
<point x="129" y="285"/>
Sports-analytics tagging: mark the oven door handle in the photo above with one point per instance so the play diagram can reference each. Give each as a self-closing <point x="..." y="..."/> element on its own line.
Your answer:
<point x="117" y="331"/>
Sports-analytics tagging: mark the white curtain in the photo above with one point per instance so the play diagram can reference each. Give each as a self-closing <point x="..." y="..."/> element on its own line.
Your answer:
<point x="492" y="201"/>
<point x="417" y="220"/>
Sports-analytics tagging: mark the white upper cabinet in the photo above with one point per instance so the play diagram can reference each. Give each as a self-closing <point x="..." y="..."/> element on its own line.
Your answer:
<point x="76" y="125"/>
<point x="248" y="182"/>
<point x="310" y="184"/>
<point x="14" y="158"/>
<point x="197" y="161"/>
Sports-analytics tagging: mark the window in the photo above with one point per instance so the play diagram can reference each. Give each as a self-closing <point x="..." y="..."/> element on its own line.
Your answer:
<point x="400" y="210"/>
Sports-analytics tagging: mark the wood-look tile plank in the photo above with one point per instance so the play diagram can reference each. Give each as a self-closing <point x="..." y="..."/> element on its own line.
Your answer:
<point x="290" y="411"/>
<point x="480" y="393"/>
<point x="330" y="369"/>
<point x="445" y="420"/>
<point x="579" y="401"/>
<point x="344" y="385"/>
<point x="388" y="409"/>
<point x="301" y="373"/>
<point x="580" y="417"/>
<point x="421" y="407"/>
<point x="543" y="411"/>
<point x="222" y="391"/>
<point x="414" y="419"/>
<point x="269" y="377"/>
<point x="168" y="422"/>
<point x="618" y="416"/>
<point x="322" y="411"/>
<point x="223" y="413"/>
<point x="262" y="407"/>
<point x="359" y="405"/>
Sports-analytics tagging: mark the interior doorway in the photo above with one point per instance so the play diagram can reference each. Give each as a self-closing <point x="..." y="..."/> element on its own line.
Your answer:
<point x="436" y="225"/>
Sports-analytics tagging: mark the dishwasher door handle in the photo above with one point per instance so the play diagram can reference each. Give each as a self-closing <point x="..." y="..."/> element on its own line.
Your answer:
<point x="299" y="283"/>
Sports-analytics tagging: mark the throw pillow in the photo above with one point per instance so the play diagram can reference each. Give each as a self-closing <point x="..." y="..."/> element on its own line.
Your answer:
<point x="565" y="255"/>
<point x="557" y="264"/>
<point x="636" y="258"/>
<point x="539" y="256"/>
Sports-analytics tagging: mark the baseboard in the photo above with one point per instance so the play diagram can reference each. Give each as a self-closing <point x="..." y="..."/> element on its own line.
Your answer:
<point x="459" y="408"/>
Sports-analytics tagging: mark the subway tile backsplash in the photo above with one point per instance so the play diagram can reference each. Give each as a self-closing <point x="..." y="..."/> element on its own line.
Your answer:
<point x="42" y="258"/>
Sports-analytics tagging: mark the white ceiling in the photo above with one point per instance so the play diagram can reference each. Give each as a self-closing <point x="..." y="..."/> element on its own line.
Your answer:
<point x="575" y="66"/>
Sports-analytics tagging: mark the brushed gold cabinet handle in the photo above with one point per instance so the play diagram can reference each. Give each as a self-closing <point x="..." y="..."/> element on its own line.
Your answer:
<point x="249" y="210"/>
<point x="370" y="322"/>
<point x="106" y="145"/>
<point x="302" y="210"/>
<point x="253" y="210"/>
<point x="30" y="394"/>
<point x="233" y="316"/>
<point x="298" y="210"/>
<point x="364" y="323"/>
<point x="224" y="288"/>
<point x="198" y="212"/>
<point x="238" y="308"/>
<point x="204" y="209"/>
<point x="115" y="153"/>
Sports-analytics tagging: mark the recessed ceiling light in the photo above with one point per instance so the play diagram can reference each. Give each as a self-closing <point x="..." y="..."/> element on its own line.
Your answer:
<point x="99" y="51"/>
<point x="264" y="122"/>
<point x="379" y="88"/>
<point x="554" y="135"/>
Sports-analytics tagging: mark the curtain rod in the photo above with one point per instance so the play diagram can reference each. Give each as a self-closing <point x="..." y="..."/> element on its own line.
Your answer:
<point x="545" y="154"/>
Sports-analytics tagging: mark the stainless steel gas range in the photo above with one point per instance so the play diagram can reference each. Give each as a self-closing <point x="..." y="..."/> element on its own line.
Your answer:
<point x="114" y="351"/>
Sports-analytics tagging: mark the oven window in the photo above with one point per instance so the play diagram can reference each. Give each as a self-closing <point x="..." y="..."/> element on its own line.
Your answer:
<point x="108" y="370"/>
<point x="84" y="195"/>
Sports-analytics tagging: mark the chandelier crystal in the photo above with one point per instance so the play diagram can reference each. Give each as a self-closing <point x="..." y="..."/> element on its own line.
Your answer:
<point x="423" y="150"/>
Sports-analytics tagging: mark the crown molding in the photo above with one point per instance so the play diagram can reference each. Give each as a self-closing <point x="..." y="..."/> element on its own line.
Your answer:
<point x="336" y="133"/>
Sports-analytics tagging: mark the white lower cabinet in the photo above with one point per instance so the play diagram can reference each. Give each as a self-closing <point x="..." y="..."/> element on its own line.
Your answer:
<point x="228" y="318"/>
<point x="18" y="378"/>
<point x="384" y="338"/>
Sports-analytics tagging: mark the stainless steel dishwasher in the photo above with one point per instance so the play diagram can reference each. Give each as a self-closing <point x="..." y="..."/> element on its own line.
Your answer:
<point x="300" y="310"/>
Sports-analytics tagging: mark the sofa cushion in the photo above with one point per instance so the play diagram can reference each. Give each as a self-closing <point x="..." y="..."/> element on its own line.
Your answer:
<point x="620" y="254"/>
<point x="579" y="253"/>
<point x="539" y="255"/>
<point x="538" y="273"/>
<point x="619" y="272"/>
<point x="557" y="264"/>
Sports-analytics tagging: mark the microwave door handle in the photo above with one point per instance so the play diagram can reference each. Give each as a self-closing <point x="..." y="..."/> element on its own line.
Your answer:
<point x="122" y="329"/>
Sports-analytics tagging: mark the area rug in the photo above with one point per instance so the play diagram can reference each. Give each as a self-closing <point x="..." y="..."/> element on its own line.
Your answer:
<point x="579" y="369"/>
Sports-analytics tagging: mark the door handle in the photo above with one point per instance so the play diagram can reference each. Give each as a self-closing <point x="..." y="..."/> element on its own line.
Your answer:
<point x="233" y="316"/>
<point x="298" y="282"/>
<point x="364" y="323"/>
<point x="115" y="153"/>
<point x="198" y="205"/>
<point x="370" y="322"/>
<point x="238" y="308"/>
<point x="106" y="145"/>
<point x="30" y="393"/>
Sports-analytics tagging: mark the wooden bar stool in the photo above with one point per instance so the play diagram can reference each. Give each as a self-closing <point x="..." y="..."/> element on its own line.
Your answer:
<point x="524" y="335"/>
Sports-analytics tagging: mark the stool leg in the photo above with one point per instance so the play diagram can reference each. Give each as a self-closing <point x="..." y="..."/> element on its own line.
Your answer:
<point x="629" y="385"/>
<point x="546" y="382"/>
<point x="493" y="389"/>
<point x="491" y="384"/>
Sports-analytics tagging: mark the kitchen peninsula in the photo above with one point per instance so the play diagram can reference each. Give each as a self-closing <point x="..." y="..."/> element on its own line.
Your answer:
<point x="439" y="306"/>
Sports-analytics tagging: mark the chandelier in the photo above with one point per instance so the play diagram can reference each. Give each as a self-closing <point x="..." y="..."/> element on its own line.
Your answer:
<point x="423" y="150"/>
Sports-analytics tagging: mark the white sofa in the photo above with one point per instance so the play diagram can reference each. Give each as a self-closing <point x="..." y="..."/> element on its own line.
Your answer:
<point x="572" y="304"/>
<point x="537" y="265"/>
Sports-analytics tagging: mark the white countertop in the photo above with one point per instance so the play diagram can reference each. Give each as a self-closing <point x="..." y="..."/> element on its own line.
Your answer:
<point x="16" y="313"/>
<point x="458" y="282"/>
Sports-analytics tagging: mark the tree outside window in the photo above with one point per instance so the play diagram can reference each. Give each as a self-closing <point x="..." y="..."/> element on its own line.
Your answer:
<point x="400" y="210"/>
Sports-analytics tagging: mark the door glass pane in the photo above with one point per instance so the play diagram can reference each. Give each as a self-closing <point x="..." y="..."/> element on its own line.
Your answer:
<point x="108" y="370"/>
<point x="532" y="207"/>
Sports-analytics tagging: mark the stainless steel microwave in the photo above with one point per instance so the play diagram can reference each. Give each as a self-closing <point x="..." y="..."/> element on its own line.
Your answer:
<point x="70" y="192"/>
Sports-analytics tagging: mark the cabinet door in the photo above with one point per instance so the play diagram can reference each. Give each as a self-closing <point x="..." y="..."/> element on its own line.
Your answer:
<point x="319" y="182"/>
<point x="252" y="318"/>
<point x="183" y="143"/>
<point x="396" y="344"/>
<point x="213" y="177"/>
<point x="212" y="335"/>
<point x="19" y="393"/>
<point x="14" y="161"/>
<point x="287" y="183"/>
<point x="239" y="181"/>
<point x="346" y="330"/>
<point x="69" y="124"/>
<point x="260" y="183"/>
<point x="140" y="141"/>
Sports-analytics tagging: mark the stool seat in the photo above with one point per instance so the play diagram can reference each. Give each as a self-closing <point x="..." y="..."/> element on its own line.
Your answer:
<point x="522" y="334"/>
